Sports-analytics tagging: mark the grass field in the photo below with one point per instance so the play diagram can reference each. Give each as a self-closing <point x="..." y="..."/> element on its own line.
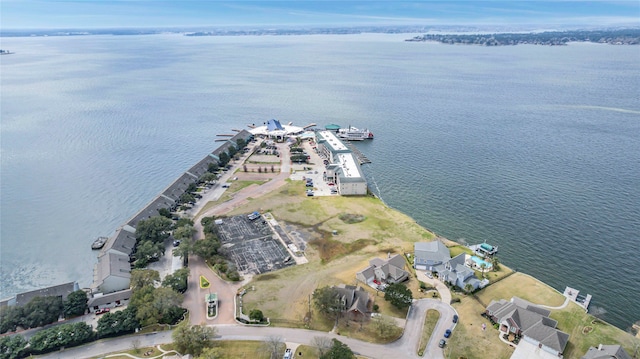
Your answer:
<point x="334" y="259"/>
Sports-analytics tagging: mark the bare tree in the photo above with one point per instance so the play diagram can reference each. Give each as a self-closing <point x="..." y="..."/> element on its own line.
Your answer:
<point x="323" y="344"/>
<point x="275" y="346"/>
<point x="135" y="345"/>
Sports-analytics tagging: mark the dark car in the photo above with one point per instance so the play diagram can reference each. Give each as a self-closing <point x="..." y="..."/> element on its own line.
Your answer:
<point x="442" y="343"/>
<point x="455" y="318"/>
<point x="447" y="333"/>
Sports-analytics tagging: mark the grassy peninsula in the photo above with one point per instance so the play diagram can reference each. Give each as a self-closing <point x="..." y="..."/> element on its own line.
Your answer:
<point x="339" y="247"/>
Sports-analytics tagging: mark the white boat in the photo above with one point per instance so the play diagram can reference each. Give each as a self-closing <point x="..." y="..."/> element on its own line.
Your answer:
<point x="355" y="134"/>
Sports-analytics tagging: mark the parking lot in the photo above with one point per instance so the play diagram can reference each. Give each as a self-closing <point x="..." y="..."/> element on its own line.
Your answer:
<point x="252" y="245"/>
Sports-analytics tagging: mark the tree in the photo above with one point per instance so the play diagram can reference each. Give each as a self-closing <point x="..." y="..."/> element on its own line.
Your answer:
<point x="213" y="167"/>
<point x="224" y="159"/>
<point x="244" y="167"/>
<point x="241" y="143"/>
<point x="10" y="319"/>
<point x="338" y="350"/>
<point x="323" y="344"/>
<point x="41" y="311"/>
<point x="275" y="346"/>
<point x="483" y="266"/>
<point x="75" y="304"/>
<point x="495" y="263"/>
<point x="178" y="280"/>
<point x="148" y="252"/>
<point x="155" y="229"/>
<point x="164" y="212"/>
<point x="143" y="277"/>
<point x="399" y="295"/>
<point x="117" y="323"/>
<point x="326" y="301"/>
<point x="64" y="335"/>
<point x="12" y="347"/>
<point x="468" y="288"/>
<point x="185" y="232"/>
<point x="193" y="339"/>
<point x="183" y="221"/>
<point x="208" y="177"/>
<point x="256" y="314"/>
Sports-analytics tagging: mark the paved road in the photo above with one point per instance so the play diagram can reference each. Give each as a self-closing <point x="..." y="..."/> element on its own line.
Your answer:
<point x="405" y="347"/>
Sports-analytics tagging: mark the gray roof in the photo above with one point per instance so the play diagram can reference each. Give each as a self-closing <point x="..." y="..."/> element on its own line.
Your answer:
<point x="179" y="186"/>
<point x="528" y="318"/>
<point x="61" y="290"/>
<point x="112" y="264"/>
<point x="606" y="352"/>
<point x="109" y="298"/>
<point x="435" y="252"/>
<point x="548" y="336"/>
<point x="355" y="298"/>
<point x="123" y="241"/>
<point x="392" y="267"/>
<point x="151" y="210"/>
<point x="202" y="167"/>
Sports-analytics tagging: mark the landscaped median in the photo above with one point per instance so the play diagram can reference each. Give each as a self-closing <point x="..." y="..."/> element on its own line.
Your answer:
<point x="429" y="325"/>
<point x="204" y="283"/>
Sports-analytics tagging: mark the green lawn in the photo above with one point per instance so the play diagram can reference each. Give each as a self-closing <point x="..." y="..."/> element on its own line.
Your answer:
<point x="429" y="324"/>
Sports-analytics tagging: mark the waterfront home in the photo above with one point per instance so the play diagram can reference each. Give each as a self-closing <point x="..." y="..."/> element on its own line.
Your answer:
<point x="354" y="301"/>
<point x="102" y="301"/>
<point x="455" y="272"/>
<point x="528" y="322"/>
<point x="112" y="273"/>
<point x="427" y="255"/>
<point x="60" y="290"/>
<point x="606" y="352"/>
<point x="380" y="271"/>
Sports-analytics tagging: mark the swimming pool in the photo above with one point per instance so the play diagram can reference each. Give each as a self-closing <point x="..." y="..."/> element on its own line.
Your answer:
<point x="479" y="261"/>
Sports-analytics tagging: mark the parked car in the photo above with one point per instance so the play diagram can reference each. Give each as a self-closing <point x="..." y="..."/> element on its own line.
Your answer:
<point x="455" y="318"/>
<point x="442" y="343"/>
<point x="288" y="354"/>
<point x="447" y="333"/>
<point x="176" y="243"/>
<point x="102" y="311"/>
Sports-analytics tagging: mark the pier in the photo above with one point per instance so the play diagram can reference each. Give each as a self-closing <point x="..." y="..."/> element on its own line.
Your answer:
<point x="361" y="158"/>
<point x="573" y="294"/>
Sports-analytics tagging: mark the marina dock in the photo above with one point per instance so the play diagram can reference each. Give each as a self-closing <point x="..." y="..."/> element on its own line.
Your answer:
<point x="573" y="294"/>
<point x="361" y="157"/>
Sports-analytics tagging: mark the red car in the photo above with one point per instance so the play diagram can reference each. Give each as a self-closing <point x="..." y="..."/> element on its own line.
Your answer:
<point x="102" y="311"/>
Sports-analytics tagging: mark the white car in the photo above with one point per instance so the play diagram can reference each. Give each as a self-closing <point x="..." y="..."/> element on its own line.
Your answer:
<point x="288" y="354"/>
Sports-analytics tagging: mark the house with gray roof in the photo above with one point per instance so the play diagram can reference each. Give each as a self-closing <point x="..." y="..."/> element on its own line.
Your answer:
<point x="455" y="272"/>
<point x="112" y="273"/>
<point x="111" y="300"/>
<point x="390" y="270"/>
<point x="530" y="322"/>
<point x="60" y="290"/>
<point x="427" y="255"/>
<point x="354" y="301"/>
<point x="122" y="242"/>
<point x="606" y="352"/>
<point x="202" y="167"/>
<point x="151" y="209"/>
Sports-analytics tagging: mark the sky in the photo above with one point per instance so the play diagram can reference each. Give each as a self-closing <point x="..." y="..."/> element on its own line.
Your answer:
<point x="61" y="14"/>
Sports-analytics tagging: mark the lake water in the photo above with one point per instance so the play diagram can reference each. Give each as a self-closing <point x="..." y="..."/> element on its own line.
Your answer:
<point x="534" y="149"/>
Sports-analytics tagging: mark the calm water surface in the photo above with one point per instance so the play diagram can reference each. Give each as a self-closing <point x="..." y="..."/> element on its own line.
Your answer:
<point x="534" y="149"/>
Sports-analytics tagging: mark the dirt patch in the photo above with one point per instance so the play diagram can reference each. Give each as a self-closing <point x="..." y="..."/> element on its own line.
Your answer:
<point x="587" y="330"/>
<point x="351" y="218"/>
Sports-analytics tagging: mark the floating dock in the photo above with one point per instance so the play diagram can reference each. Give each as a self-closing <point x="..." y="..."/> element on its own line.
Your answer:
<point x="361" y="158"/>
<point x="574" y="295"/>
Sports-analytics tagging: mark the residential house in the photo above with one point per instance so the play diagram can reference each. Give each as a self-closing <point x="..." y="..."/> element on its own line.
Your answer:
<point x="530" y="322"/>
<point x="123" y="242"/>
<point x="606" y="352"/>
<point x="390" y="270"/>
<point x="427" y="255"/>
<point x="354" y="301"/>
<point x="60" y="290"/>
<point x="111" y="300"/>
<point x="112" y="273"/>
<point x="455" y="272"/>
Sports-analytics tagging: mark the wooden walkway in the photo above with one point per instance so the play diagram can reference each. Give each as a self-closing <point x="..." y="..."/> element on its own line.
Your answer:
<point x="361" y="158"/>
